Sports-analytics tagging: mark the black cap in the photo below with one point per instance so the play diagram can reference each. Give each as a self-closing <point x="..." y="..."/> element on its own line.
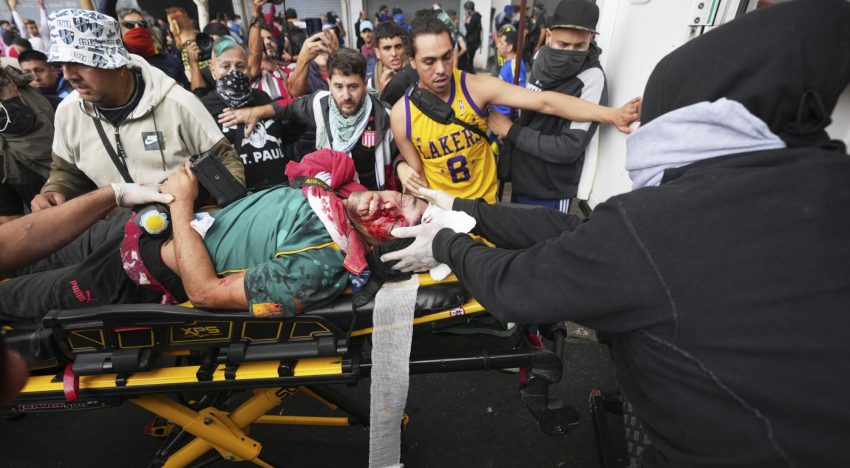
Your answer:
<point x="575" y="14"/>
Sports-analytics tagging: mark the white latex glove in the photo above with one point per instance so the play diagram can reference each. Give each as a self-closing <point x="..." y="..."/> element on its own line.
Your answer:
<point x="437" y="197"/>
<point x="418" y="256"/>
<point x="128" y="195"/>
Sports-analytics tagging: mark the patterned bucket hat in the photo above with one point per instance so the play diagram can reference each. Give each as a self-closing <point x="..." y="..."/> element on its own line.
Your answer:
<point x="86" y="37"/>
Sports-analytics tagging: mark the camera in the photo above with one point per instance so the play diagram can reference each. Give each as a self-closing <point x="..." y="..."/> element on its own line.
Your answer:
<point x="205" y="43"/>
<point x="220" y="184"/>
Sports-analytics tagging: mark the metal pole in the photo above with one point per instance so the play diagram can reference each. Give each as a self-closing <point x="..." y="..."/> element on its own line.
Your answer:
<point x="246" y="19"/>
<point x="519" y="40"/>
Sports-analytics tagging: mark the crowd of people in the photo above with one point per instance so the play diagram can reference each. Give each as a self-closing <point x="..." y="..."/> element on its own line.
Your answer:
<point x="342" y="143"/>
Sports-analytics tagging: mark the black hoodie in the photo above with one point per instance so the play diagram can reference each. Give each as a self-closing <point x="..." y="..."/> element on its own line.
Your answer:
<point x="727" y="287"/>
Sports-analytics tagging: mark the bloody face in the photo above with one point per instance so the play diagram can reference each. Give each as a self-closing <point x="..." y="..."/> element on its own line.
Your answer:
<point x="376" y="214"/>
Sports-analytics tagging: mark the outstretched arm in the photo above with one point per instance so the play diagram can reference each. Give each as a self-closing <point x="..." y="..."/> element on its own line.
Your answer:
<point x="19" y="22"/>
<point x="516" y="226"/>
<point x="28" y="239"/>
<point x="43" y="26"/>
<point x="488" y="90"/>
<point x="507" y="226"/>
<point x="255" y="42"/>
<point x="597" y="275"/>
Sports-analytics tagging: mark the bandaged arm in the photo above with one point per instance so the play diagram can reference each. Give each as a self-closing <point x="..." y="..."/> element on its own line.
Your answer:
<point x="599" y="274"/>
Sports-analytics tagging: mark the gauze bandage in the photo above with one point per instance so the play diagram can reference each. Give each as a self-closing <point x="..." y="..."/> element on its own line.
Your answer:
<point x="392" y="333"/>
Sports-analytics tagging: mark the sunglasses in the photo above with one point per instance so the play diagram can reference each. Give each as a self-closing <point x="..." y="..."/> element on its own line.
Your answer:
<point x="133" y="24"/>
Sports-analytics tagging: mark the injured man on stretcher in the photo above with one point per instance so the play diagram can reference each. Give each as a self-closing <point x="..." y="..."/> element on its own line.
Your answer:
<point x="276" y="252"/>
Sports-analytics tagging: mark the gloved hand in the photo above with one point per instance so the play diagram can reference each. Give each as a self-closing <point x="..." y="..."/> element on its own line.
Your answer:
<point x="437" y="197"/>
<point x="128" y="195"/>
<point x="418" y="256"/>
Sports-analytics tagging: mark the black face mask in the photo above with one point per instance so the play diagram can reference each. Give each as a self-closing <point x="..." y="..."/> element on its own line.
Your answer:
<point x="17" y="119"/>
<point x="554" y="66"/>
<point x="234" y="89"/>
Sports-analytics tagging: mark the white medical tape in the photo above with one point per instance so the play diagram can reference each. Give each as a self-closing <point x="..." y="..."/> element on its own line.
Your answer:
<point x="392" y="322"/>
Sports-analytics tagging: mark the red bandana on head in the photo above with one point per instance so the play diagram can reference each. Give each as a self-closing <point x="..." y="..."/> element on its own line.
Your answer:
<point x="337" y="170"/>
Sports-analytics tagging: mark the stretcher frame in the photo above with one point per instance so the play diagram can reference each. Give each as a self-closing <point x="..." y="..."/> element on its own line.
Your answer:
<point x="274" y="381"/>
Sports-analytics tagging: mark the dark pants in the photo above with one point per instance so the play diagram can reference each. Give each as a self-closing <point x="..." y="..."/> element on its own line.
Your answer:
<point x="86" y="273"/>
<point x="15" y="199"/>
<point x="467" y="60"/>
<point x="559" y="205"/>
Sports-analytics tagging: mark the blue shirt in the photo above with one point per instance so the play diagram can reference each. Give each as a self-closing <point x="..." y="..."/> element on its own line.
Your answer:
<point x="507" y="74"/>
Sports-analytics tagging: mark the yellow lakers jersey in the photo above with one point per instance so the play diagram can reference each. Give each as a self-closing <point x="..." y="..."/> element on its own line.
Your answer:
<point x="455" y="159"/>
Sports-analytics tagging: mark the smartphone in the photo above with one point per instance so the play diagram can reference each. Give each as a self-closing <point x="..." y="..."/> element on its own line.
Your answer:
<point x="314" y="25"/>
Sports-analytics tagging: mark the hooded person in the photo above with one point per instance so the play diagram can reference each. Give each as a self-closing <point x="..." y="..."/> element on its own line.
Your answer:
<point x="722" y="278"/>
<point x="126" y="120"/>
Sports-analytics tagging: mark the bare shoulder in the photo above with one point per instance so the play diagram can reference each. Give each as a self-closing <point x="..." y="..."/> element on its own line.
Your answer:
<point x="484" y="88"/>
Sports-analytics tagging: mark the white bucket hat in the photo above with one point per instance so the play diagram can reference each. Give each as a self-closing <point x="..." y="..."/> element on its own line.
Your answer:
<point x="86" y="37"/>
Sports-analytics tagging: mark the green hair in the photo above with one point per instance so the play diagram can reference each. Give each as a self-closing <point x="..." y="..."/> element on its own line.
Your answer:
<point x="223" y="44"/>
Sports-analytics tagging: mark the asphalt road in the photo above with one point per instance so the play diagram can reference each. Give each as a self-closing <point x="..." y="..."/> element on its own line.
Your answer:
<point x="471" y="419"/>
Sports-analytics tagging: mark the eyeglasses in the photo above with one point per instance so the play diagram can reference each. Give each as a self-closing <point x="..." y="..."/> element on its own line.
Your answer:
<point x="133" y="24"/>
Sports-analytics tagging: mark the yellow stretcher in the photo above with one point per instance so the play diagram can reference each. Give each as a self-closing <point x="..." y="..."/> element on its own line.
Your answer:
<point x="155" y="355"/>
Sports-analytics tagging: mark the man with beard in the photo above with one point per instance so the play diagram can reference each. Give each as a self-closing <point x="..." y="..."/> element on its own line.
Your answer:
<point x="261" y="151"/>
<point x="721" y="277"/>
<point x="347" y="118"/>
<point x="544" y="154"/>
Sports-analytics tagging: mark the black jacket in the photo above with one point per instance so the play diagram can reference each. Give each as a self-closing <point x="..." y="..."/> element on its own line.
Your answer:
<point x="727" y="289"/>
<point x="546" y="152"/>
<point x="473" y="31"/>
<point x="301" y="111"/>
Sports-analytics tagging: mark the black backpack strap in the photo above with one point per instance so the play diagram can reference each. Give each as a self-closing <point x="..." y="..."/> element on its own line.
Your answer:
<point x="438" y="110"/>
<point x="120" y="162"/>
